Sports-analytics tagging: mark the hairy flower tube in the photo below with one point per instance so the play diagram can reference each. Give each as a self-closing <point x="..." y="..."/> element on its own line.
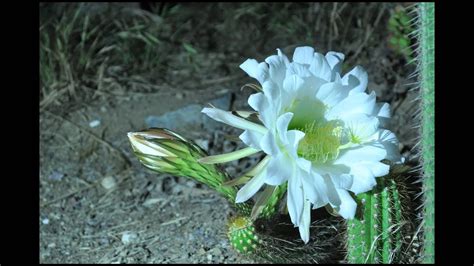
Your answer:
<point x="321" y="132"/>
<point x="165" y="151"/>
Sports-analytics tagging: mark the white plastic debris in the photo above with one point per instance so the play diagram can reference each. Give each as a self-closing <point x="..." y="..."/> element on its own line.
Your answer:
<point x="94" y="123"/>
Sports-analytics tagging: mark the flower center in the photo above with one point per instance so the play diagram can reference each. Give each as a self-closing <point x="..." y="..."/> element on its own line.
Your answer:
<point x="321" y="141"/>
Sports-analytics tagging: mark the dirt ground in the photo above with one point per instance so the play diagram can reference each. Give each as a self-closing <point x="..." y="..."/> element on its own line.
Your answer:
<point x="98" y="204"/>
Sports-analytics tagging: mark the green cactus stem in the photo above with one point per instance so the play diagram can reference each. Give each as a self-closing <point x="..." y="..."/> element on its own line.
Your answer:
<point x="375" y="234"/>
<point x="425" y="58"/>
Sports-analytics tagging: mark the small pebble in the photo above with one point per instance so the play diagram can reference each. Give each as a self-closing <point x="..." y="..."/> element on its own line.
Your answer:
<point x="52" y="245"/>
<point x="152" y="201"/>
<point x="94" y="123"/>
<point x="203" y="143"/>
<point x="45" y="221"/>
<point x="128" y="237"/>
<point x="55" y="175"/>
<point x="209" y="257"/>
<point x="108" y="182"/>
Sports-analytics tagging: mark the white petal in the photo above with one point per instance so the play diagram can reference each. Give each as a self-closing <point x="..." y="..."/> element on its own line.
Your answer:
<point x="230" y="119"/>
<point x="303" y="55"/>
<point x="335" y="59"/>
<point x="320" y="67"/>
<point x="348" y="206"/>
<point x="251" y="138"/>
<point x="357" y="103"/>
<point x="363" y="126"/>
<point x="277" y="68"/>
<point x="294" y="136"/>
<point x="389" y="142"/>
<point x="333" y="196"/>
<point x="331" y="168"/>
<point x="315" y="189"/>
<point x="249" y="189"/>
<point x="332" y="93"/>
<point x="255" y="70"/>
<point x="305" y="222"/>
<point x="364" y="180"/>
<point x="377" y="168"/>
<point x="382" y="110"/>
<point x="357" y="78"/>
<point x="292" y="84"/>
<point x="302" y="163"/>
<point x="343" y="181"/>
<point x="279" y="169"/>
<point x="282" y="55"/>
<point x="295" y="199"/>
<point x="260" y="102"/>
<point x="282" y="126"/>
<point x="268" y="144"/>
<point x="295" y="68"/>
<point x="372" y="152"/>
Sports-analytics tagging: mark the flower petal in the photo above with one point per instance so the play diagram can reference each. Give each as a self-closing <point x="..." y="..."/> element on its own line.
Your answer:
<point x="332" y="93"/>
<point x="279" y="169"/>
<point x="364" y="180"/>
<point x="249" y="189"/>
<point x="255" y="70"/>
<point x="333" y="196"/>
<point x="277" y="68"/>
<point x="389" y="141"/>
<point x="320" y="67"/>
<point x="334" y="60"/>
<point x="364" y="175"/>
<point x="357" y="78"/>
<point x="305" y="222"/>
<point x="362" y="126"/>
<point x="372" y="152"/>
<point x="251" y="138"/>
<point x="343" y="181"/>
<point x="230" y="119"/>
<point x="294" y="136"/>
<point x="295" y="199"/>
<point x="315" y="189"/>
<point x="269" y="145"/>
<point x="382" y="110"/>
<point x="303" y="55"/>
<point x="292" y="84"/>
<point x="348" y="206"/>
<point x="282" y="126"/>
<point x="357" y="103"/>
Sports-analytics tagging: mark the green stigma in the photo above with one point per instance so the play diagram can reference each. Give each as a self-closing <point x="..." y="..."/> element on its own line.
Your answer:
<point x="321" y="141"/>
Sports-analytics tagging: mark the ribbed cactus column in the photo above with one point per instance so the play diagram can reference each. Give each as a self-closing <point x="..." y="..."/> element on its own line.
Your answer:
<point x="374" y="236"/>
<point x="426" y="78"/>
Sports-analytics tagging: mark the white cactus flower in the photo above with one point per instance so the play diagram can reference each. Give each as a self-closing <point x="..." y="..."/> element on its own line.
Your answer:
<point x="322" y="133"/>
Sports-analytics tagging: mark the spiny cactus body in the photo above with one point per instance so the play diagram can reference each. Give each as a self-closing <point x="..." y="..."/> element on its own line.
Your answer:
<point x="375" y="234"/>
<point x="425" y="71"/>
